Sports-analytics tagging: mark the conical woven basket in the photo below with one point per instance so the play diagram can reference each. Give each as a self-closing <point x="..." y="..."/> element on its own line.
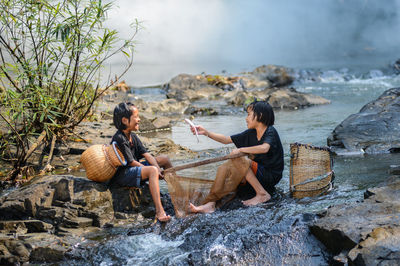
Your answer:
<point x="101" y="161"/>
<point x="310" y="170"/>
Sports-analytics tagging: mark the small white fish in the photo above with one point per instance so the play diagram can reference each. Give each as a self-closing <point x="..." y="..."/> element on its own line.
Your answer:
<point x="195" y="129"/>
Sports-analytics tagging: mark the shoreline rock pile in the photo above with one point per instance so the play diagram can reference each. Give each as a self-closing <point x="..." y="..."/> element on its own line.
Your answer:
<point x="42" y="221"/>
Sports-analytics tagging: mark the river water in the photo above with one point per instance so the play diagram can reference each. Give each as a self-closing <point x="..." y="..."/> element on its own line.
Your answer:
<point x="348" y="91"/>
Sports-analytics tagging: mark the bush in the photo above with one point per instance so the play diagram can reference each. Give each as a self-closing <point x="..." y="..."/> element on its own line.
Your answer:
<point x="51" y="54"/>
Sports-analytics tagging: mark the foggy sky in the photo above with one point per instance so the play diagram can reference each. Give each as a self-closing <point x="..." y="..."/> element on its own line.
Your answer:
<point x="254" y="32"/>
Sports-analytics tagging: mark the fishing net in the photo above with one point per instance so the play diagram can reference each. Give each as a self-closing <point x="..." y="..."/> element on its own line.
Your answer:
<point x="311" y="171"/>
<point x="200" y="191"/>
<point x="186" y="189"/>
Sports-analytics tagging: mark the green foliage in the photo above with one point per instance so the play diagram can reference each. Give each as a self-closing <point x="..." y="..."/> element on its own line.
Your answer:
<point x="51" y="54"/>
<point x="249" y="100"/>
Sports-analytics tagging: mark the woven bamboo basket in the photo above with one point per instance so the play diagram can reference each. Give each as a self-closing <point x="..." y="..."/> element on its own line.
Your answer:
<point x="101" y="161"/>
<point x="311" y="171"/>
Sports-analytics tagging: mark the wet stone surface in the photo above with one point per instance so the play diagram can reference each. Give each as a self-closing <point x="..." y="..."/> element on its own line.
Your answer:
<point x="244" y="235"/>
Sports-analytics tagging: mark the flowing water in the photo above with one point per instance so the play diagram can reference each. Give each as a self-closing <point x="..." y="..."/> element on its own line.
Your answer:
<point x="348" y="92"/>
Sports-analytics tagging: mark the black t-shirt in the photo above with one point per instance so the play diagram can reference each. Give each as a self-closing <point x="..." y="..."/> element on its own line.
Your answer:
<point x="131" y="151"/>
<point x="272" y="161"/>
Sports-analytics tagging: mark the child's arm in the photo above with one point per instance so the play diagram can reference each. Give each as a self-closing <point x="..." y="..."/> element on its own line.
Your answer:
<point x="152" y="161"/>
<point x="263" y="148"/>
<point x="135" y="163"/>
<point x="215" y="136"/>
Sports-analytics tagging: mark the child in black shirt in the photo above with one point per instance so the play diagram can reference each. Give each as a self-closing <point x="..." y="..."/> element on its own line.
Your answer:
<point x="126" y="119"/>
<point x="263" y="172"/>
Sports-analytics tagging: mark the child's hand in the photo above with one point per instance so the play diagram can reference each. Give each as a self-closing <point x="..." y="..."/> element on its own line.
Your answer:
<point x="200" y="130"/>
<point x="235" y="151"/>
<point x="193" y="128"/>
<point x="160" y="173"/>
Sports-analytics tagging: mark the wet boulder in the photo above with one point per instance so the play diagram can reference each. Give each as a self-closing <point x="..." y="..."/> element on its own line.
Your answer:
<point x="166" y="106"/>
<point x="279" y="98"/>
<point x="278" y="76"/>
<point x="292" y="99"/>
<point x="250" y="81"/>
<point x="194" y="110"/>
<point x="367" y="232"/>
<point x="396" y="66"/>
<point x="64" y="199"/>
<point x="189" y="87"/>
<point x="375" y="129"/>
<point x="150" y="122"/>
<point x="247" y="236"/>
<point x="48" y="214"/>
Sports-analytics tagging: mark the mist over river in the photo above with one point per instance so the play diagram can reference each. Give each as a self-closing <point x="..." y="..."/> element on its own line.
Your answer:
<point x="214" y="35"/>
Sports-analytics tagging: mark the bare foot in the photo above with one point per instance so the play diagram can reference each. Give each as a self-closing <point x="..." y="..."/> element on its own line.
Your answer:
<point x="206" y="208"/>
<point x="163" y="217"/>
<point x="259" y="198"/>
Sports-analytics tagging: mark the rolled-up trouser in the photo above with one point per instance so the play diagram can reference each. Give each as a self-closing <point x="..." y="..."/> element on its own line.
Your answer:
<point x="229" y="175"/>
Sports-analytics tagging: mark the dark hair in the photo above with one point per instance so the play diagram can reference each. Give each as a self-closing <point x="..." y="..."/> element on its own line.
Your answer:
<point x="120" y="111"/>
<point x="262" y="111"/>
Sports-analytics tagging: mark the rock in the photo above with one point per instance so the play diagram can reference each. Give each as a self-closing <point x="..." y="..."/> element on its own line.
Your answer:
<point x="381" y="246"/>
<point x="47" y="254"/>
<point x="165" y="146"/>
<point x="25" y="226"/>
<point x="146" y="124"/>
<point x="246" y="236"/>
<point x="251" y="82"/>
<point x="167" y="107"/>
<point x="368" y="232"/>
<point x="279" y="98"/>
<point x="192" y="110"/>
<point x="78" y="222"/>
<point x="66" y="206"/>
<point x="150" y="122"/>
<point x="394" y="170"/>
<point x="278" y="76"/>
<point x="188" y="87"/>
<point x="162" y="122"/>
<point x="186" y="81"/>
<point x="375" y="129"/>
<point x="6" y="258"/>
<point x="396" y="66"/>
<point x="292" y="99"/>
<point x="122" y="86"/>
<point x="269" y="81"/>
<point x="13" y="252"/>
<point x="16" y="227"/>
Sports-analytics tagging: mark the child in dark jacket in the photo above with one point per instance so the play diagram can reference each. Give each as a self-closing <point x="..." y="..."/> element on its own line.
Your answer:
<point x="126" y="120"/>
<point x="261" y="173"/>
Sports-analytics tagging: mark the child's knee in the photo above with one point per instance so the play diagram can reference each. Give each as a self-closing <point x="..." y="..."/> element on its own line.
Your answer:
<point x="163" y="160"/>
<point x="150" y="170"/>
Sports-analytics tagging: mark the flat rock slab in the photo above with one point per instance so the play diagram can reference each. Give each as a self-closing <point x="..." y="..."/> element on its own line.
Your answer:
<point x="368" y="232"/>
<point x="25" y="226"/>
